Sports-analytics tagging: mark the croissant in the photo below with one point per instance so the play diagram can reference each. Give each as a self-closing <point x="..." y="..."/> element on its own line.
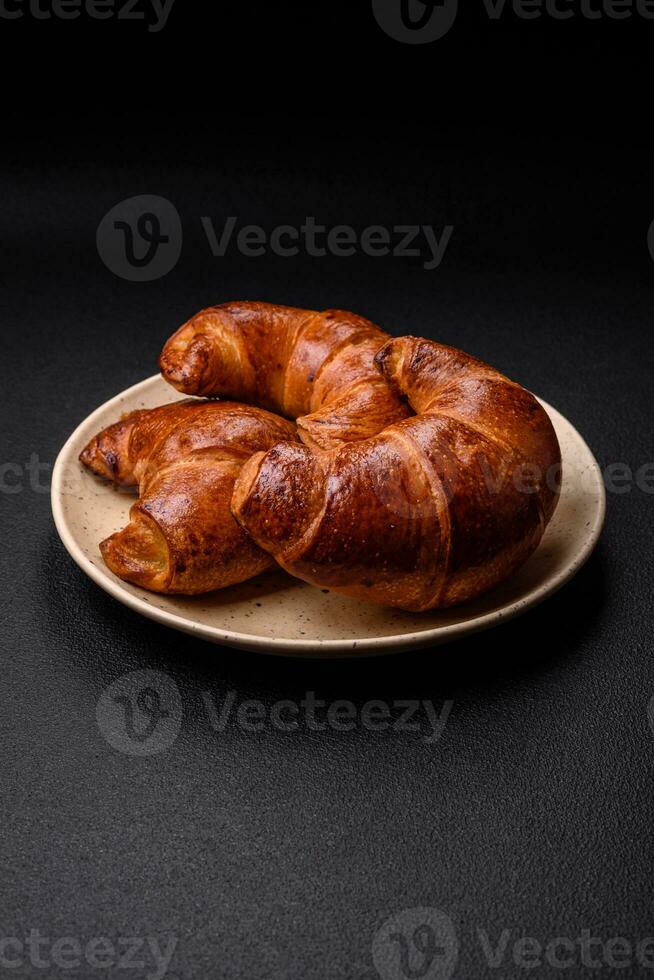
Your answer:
<point x="184" y="458"/>
<point x="425" y="478"/>
<point x="316" y="368"/>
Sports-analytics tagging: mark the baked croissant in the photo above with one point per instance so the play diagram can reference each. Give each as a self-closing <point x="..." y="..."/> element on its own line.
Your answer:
<point x="184" y="458"/>
<point x="316" y="368"/>
<point x="418" y="508"/>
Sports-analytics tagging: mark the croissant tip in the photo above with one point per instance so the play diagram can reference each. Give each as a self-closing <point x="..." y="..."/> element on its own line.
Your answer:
<point x="106" y="545"/>
<point x="96" y="460"/>
<point x="87" y="455"/>
<point x="138" y="554"/>
<point x="185" y="366"/>
<point x="101" y="461"/>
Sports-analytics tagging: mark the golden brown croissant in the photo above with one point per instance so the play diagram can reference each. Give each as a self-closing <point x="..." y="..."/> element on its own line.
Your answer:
<point x="317" y="368"/>
<point x="416" y="512"/>
<point x="184" y="458"/>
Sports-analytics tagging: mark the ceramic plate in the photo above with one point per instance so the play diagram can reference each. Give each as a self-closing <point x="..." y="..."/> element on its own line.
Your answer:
<point x="277" y="614"/>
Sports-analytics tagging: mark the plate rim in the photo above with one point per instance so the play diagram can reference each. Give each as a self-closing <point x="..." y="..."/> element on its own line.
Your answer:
<point x="298" y="647"/>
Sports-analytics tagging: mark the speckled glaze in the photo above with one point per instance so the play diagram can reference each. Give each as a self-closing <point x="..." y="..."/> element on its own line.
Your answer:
<point x="277" y="614"/>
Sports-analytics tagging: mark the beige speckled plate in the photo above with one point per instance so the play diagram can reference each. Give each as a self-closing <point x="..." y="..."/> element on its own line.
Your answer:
<point x="277" y="614"/>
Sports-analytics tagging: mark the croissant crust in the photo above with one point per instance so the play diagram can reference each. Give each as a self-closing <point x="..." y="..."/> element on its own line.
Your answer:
<point x="423" y="476"/>
<point x="184" y="458"/>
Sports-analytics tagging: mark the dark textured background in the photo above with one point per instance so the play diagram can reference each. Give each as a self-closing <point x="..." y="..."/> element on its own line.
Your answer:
<point x="280" y="855"/>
